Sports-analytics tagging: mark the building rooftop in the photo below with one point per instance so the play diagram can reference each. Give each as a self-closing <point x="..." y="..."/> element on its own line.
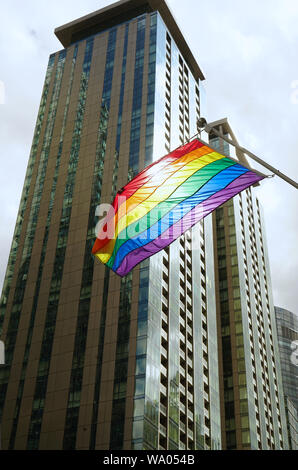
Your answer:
<point x="224" y="127"/>
<point x="120" y="12"/>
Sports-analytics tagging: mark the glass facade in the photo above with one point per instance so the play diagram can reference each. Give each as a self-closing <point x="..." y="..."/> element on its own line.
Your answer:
<point x="176" y="401"/>
<point x="42" y="258"/>
<point x="26" y="188"/>
<point x="72" y="415"/>
<point x="175" y="379"/>
<point x="53" y="302"/>
<point x="287" y="333"/>
<point x="106" y="104"/>
<point x="251" y="391"/>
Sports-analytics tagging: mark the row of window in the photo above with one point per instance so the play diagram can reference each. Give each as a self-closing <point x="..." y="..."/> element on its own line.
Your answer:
<point x="263" y="348"/>
<point x="231" y="441"/>
<point x="151" y="90"/>
<point x="186" y="346"/>
<point x="24" y="268"/>
<point x="137" y="99"/>
<point x="124" y="320"/>
<point x="185" y="427"/>
<point x="42" y="256"/>
<point x="186" y="439"/>
<point x="229" y="393"/>
<point x="168" y="94"/>
<point x="252" y="350"/>
<point x="145" y="433"/>
<point x="183" y="102"/>
<point x="25" y="193"/>
<point x="53" y="302"/>
<point x="73" y="405"/>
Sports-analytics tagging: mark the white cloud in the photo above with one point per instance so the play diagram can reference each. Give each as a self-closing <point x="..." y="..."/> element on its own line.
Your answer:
<point x="248" y="53"/>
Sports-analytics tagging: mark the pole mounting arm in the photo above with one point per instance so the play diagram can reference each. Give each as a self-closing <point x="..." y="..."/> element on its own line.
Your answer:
<point x="203" y="125"/>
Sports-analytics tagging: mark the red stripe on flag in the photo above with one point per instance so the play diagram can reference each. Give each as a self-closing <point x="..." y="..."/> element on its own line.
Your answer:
<point x="142" y="178"/>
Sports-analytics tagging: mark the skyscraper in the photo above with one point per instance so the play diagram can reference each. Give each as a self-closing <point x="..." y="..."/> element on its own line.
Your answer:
<point x="252" y="412"/>
<point x="287" y="333"/>
<point x="95" y="361"/>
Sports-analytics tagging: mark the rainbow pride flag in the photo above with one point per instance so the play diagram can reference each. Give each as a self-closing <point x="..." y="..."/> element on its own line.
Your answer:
<point x="165" y="200"/>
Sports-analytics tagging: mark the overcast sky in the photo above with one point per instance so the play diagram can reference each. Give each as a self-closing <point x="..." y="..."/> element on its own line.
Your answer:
<point x="248" y="54"/>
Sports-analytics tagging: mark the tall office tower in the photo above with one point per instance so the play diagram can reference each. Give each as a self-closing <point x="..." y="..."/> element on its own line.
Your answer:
<point x="292" y="422"/>
<point x="252" y="412"/>
<point x="95" y="361"/>
<point x="287" y="333"/>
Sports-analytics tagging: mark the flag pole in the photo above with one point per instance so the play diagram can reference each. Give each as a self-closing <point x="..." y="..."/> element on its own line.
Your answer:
<point x="203" y="125"/>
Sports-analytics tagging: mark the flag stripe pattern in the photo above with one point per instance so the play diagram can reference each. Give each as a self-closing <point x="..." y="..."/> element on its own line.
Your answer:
<point x="165" y="200"/>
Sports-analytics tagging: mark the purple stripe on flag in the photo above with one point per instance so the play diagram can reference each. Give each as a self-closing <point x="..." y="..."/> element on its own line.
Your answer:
<point x="189" y="220"/>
